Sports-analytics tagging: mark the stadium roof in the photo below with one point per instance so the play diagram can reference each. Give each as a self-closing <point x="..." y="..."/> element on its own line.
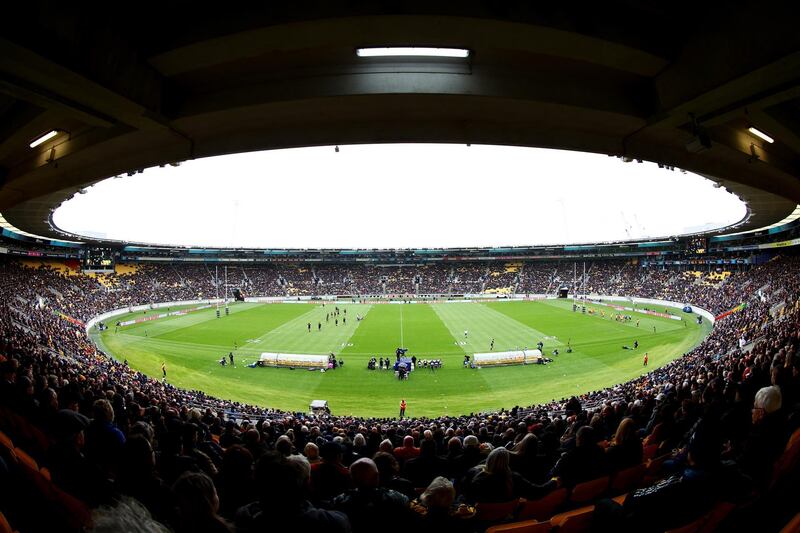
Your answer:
<point x="679" y="84"/>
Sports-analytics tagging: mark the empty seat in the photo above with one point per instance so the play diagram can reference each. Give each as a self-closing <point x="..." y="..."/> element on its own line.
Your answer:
<point x="576" y="521"/>
<point x="793" y="526"/>
<point x="544" y="507"/>
<point x="5" y="527"/>
<point x="26" y="460"/>
<point x="653" y="470"/>
<point x="589" y="490"/>
<point x="649" y="451"/>
<point x="491" y="512"/>
<point x="708" y="522"/>
<point x="627" y="479"/>
<point x="527" y="526"/>
<point x="5" y="441"/>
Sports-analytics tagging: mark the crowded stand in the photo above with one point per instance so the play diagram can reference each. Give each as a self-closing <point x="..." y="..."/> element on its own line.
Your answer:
<point x="502" y="278"/>
<point x="708" y="439"/>
<point x="468" y="278"/>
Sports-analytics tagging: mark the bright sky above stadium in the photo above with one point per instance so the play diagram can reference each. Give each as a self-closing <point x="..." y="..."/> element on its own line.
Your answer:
<point x="399" y="196"/>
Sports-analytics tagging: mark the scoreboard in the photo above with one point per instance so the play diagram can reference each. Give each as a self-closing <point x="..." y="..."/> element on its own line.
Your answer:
<point x="696" y="245"/>
<point x="98" y="259"/>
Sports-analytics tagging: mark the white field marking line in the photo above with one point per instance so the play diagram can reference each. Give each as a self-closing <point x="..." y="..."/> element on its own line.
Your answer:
<point x="401" y="326"/>
<point x="293" y="323"/>
<point x="358" y="323"/>
<point x="301" y="320"/>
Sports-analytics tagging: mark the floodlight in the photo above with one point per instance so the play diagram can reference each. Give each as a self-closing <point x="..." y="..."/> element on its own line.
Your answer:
<point x="758" y="133"/>
<point x="44" y="137"/>
<point x="412" y="51"/>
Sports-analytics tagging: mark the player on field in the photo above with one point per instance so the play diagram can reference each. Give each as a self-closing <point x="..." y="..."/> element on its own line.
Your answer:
<point x="230" y="355"/>
<point x="491" y="345"/>
<point x="319" y="326"/>
<point x="645" y="360"/>
<point x="309" y="327"/>
<point x="465" y="334"/>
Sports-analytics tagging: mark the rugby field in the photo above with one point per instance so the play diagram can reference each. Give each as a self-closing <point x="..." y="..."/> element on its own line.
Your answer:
<point x="192" y="344"/>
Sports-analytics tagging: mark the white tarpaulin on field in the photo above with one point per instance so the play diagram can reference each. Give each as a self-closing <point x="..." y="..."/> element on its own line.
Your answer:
<point x="291" y="359"/>
<point x="516" y="357"/>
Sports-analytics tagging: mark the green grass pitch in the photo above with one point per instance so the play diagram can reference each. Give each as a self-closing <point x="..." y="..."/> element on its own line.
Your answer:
<point x="191" y="345"/>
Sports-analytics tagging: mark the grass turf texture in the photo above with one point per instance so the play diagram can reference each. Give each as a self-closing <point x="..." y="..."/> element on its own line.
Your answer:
<point x="191" y="345"/>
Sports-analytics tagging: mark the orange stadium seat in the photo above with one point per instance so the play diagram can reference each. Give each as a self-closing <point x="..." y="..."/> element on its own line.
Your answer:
<point x="576" y="521"/>
<point x="653" y="471"/>
<point x="493" y="512"/>
<point x="527" y="526"/>
<point x="544" y="507"/>
<point x="709" y="521"/>
<point x="26" y="460"/>
<point x="650" y="452"/>
<point x="5" y="527"/>
<point x="6" y="442"/>
<point x="589" y="490"/>
<point x="627" y="479"/>
<point x="793" y="526"/>
<point x="788" y="459"/>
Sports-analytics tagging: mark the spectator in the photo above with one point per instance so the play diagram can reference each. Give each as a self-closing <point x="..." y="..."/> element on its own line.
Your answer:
<point x="281" y="485"/>
<point x="495" y="481"/>
<point x="370" y="506"/>
<point x="585" y="462"/>
<point x="138" y="477"/>
<point x="437" y="511"/>
<point x="197" y="505"/>
<point x="236" y="483"/>
<point x="329" y="477"/>
<point x="422" y="469"/>
<point x="103" y="439"/>
<point x="407" y="450"/>
<point x="388" y="475"/>
<point x="626" y="449"/>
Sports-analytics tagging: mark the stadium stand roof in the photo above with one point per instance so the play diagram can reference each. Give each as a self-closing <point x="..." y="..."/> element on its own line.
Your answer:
<point x="163" y="83"/>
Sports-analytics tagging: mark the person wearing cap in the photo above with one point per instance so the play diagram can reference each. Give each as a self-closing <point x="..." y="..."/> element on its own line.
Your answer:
<point x="329" y="477"/>
<point x="69" y="468"/>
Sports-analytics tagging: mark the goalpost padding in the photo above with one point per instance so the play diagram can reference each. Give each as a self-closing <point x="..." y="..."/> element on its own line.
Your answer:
<point x="294" y="360"/>
<point x="516" y="357"/>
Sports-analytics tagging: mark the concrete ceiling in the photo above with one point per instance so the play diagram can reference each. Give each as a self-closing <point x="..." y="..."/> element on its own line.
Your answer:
<point x="171" y="81"/>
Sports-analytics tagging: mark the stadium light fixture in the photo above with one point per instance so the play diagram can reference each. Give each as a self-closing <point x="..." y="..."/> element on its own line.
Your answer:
<point x="412" y="51"/>
<point x="758" y="133"/>
<point x="44" y="137"/>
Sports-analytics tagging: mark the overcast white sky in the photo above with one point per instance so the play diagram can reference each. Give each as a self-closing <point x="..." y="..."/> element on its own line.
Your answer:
<point x="399" y="196"/>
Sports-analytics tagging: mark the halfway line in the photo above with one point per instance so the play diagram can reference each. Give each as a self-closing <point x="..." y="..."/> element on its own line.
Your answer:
<point x="401" y="326"/>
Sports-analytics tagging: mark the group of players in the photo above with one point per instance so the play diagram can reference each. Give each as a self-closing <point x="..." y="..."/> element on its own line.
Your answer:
<point x="335" y="314"/>
<point x="224" y="360"/>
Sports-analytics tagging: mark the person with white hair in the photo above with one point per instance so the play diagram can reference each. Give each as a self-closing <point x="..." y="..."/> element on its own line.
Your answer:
<point x="470" y="457"/>
<point x="437" y="510"/>
<point x="494" y="481"/>
<point x="766" y="440"/>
